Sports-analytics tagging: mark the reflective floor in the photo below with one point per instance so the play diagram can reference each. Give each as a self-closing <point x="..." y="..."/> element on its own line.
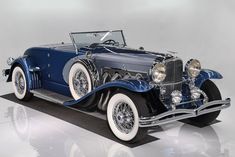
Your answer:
<point x="27" y="132"/>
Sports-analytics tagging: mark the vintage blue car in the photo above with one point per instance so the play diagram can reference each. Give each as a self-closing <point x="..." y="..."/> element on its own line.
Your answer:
<point x="137" y="89"/>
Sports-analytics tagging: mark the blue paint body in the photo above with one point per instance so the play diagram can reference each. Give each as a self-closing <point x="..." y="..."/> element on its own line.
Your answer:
<point x="24" y="63"/>
<point x="52" y="60"/>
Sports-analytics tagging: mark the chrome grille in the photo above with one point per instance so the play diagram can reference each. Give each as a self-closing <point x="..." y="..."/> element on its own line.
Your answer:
<point x="174" y="72"/>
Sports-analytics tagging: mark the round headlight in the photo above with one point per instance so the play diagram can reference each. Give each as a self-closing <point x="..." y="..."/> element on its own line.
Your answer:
<point x="193" y="68"/>
<point x="158" y="72"/>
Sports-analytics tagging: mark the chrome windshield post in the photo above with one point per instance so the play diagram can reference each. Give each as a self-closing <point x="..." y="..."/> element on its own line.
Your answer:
<point x="74" y="43"/>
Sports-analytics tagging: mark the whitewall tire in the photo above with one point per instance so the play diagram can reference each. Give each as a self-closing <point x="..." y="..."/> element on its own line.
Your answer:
<point x="123" y="117"/>
<point x="20" y="85"/>
<point x="80" y="82"/>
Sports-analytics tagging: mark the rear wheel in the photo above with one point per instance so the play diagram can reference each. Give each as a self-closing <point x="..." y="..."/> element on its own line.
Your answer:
<point x="123" y="114"/>
<point x="20" y="84"/>
<point x="212" y="93"/>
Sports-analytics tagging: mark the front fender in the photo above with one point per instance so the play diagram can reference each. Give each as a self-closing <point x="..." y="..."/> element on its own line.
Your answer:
<point x="207" y="74"/>
<point x="133" y="85"/>
<point x="24" y="63"/>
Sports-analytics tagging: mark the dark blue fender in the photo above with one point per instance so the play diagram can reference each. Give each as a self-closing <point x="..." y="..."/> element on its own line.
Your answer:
<point x="24" y="62"/>
<point x="207" y="74"/>
<point x="139" y="86"/>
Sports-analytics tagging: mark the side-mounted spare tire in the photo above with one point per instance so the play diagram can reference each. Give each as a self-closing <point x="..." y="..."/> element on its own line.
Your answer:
<point x="80" y="81"/>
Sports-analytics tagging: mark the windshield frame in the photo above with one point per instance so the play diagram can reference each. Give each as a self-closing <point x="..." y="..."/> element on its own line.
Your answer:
<point x="75" y="44"/>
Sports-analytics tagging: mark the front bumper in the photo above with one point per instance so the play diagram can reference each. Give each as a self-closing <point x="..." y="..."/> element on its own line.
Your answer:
<point x="179" y="114"/>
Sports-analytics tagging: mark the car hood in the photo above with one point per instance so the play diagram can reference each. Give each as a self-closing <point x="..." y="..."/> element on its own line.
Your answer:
<point x="127" y="59"/>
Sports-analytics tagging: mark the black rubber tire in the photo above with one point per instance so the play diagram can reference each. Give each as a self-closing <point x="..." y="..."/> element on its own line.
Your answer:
<point x="28" y="96"/>
<point x="142" y="109"/>
<point x="212" y="93"/>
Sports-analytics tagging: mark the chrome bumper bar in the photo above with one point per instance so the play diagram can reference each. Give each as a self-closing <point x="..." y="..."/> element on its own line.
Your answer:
<point x="179" y="114"/>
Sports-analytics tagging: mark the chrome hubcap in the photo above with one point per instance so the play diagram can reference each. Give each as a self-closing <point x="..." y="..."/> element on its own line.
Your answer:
<point x="123" y="117"/>
<point x="19" y="83"/>
<point x="80" y="83"/>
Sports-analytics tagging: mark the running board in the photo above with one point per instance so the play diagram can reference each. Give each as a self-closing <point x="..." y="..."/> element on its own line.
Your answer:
<point x="51" y="96"/>
<point x="61" y="99"/>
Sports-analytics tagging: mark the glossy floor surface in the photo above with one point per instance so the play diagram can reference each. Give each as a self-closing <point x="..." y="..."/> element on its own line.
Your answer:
<point x="27" y="132"/>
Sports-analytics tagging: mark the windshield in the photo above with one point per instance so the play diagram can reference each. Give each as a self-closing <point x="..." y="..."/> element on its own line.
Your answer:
<point x="81" y="39"/>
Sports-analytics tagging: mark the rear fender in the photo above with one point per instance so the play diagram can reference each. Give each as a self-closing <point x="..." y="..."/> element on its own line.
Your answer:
<point x="25" y="64"/>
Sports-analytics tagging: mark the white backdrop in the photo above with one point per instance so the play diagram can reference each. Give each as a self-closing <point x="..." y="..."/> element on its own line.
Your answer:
<point x="202" y="29"/>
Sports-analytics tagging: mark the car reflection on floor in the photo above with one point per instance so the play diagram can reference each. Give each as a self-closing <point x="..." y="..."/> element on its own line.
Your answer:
<point x="44" y="137"/>
<point x="191" y="141"/>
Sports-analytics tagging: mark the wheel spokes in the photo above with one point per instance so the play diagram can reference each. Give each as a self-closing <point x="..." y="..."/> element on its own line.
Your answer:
<point x="80" y="83"/>
<point x="123" y="117"/>
<point x="19" y="82"/>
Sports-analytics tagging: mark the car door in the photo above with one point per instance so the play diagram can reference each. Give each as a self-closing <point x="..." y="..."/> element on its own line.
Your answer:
<point x="56" y="62"/>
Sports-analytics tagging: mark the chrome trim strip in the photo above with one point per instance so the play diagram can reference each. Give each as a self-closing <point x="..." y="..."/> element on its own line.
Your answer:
<point x="179" y="114"/>
<point x="191" y="101"/>
<point x="204" y="108"/>
<point x="132" y="71"/>
<point x="165" y="114"/>
<point x="173" y="83"/>
<point x="174" y="58"/>
<point x="34" y="69"/>
<point x="74" y="43"/>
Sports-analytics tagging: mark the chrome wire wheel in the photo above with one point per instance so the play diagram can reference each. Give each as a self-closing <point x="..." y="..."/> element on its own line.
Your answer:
<point x="123" y="117"/>
<point x="80" y="83"/>
<point x="19" y="82"/>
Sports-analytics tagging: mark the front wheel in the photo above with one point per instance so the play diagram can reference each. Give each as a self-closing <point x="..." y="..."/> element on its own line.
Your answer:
<point x="123" y="114"/>
<point x="212" y="93"/>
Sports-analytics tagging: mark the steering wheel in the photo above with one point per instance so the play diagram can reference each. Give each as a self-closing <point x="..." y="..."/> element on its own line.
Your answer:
<point x="110" y="42"/>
